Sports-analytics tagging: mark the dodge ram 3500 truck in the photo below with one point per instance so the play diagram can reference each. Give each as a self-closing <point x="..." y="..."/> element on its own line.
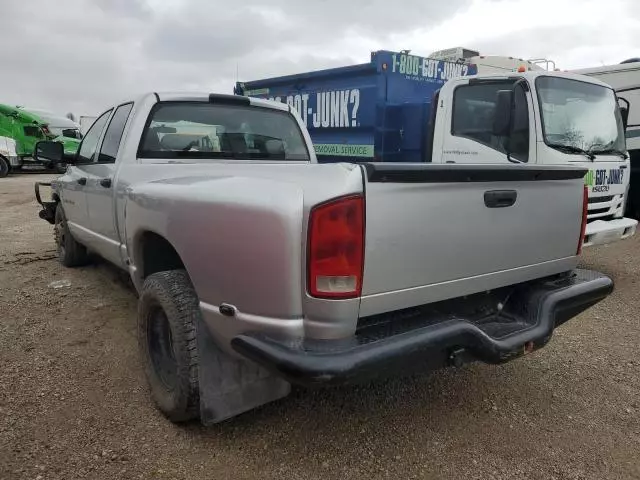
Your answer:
<point x="257" y="267"/>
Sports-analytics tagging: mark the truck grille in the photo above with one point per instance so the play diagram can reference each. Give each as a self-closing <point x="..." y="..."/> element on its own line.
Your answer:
<point x="606" y="198"/>
<point x="599" y="207"/>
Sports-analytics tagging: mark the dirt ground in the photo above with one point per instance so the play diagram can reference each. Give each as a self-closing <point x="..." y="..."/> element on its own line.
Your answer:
<point x="74" y="403"/>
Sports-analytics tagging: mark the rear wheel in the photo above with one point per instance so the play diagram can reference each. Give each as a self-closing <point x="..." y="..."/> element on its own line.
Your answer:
<point x="5" y="168"/>
<point x="70" y="252"/>
<point x="168" y="313"/>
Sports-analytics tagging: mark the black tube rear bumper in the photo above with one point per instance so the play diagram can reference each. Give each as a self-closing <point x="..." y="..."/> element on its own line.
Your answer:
<point x="432" y="340"/>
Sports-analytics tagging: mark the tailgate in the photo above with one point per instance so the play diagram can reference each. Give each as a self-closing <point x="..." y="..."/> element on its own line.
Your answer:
<point x="441" y="231"/>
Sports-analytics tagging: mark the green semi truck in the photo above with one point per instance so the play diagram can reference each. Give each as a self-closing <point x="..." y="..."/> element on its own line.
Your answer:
<point x="20" y="129"/>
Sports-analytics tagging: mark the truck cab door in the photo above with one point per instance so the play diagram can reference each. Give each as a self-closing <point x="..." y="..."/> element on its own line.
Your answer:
<point x="74" y="182"/>
<point x="99" y="190"/>
<point x="465" y="124"/>
<point x="17" y="132"/>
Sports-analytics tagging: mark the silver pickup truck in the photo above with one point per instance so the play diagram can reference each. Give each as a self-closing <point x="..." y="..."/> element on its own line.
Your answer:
<point x="257" y="267"/>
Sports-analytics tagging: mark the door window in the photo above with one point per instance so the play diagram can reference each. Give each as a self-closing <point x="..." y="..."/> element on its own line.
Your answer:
<point x="33" y="131"/>
<point x="473" y="113"/>
<point x="113" y="135"/>
<point x="89" y="145"/>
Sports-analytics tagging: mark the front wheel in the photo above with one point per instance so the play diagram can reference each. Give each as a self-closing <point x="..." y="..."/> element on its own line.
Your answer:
<point x="5" y="168"/>
<point x="168" y="314"/>
<point x="70" y="252"/>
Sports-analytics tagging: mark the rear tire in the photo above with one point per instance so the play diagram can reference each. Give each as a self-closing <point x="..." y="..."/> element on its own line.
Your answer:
<point x="70" y="252"/>
<point x="5" y="168"/>
<point x="168" y="314"/>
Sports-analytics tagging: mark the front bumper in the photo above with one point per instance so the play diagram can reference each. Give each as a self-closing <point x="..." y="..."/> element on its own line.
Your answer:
<point x="432" y="336"/>
<point x="599" y="232"/>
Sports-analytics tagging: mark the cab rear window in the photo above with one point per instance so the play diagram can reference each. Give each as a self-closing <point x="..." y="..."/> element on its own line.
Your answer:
<point x="207" y="130"/>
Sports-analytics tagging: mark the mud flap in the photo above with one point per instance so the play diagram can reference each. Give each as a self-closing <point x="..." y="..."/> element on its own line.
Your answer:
<point x="230" y="386"/>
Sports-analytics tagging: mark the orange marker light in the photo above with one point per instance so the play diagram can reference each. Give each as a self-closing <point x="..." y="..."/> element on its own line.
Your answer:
<point x="521" y="69"/>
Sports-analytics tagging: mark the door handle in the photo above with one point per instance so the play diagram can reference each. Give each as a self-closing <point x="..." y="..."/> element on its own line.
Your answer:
<point x="82" y="180"/>
<point x="105" y="182"/>
<point x="500" y="198"/>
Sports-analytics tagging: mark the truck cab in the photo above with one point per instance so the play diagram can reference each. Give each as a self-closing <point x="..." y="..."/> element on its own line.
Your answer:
<point x="555" y="118"/>
<point x="22" y="130"/>
<point x="62" y="129"/>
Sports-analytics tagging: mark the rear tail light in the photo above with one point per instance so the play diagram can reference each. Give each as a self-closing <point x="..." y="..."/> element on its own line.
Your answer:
<point x="583" y="227"/>
<point x="336" y="248"/>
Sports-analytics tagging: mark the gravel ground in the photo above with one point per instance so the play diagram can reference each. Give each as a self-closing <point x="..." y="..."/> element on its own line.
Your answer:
<point x="74" y="404"/>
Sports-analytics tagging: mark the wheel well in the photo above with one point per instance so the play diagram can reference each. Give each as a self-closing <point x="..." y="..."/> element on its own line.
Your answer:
<point x="158" y="255"/>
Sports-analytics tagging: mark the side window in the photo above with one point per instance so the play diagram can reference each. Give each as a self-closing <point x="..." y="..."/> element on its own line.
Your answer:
<point x="473" y="112"/>
<point x="113" y="135"/>
<point x="33" y="131"/>
<point x="89" y="144"/>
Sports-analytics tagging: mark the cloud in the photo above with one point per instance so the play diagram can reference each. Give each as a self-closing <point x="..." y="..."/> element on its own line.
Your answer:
<point x="574" y="33"/>
<point x="93" y="53"/>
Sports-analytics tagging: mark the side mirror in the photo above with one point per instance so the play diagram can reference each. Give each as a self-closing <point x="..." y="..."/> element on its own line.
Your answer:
<point x="624" y="111"/>
<point x="49" y="152"/>
<point x="502" y="116"/>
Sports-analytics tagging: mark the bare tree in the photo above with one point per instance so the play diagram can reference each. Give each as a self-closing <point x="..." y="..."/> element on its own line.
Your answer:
<point x="572" y="136"/>
<point x="71" y="116"/>
<point x="598" y="142"/>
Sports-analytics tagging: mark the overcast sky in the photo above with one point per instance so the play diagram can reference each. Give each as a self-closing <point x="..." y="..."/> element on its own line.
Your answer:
<point x="82" y="55"/>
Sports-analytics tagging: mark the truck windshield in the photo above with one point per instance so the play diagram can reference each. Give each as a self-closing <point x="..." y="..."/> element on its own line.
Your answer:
<point x="205" y="130"/>
<point x="579" y="115"/>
